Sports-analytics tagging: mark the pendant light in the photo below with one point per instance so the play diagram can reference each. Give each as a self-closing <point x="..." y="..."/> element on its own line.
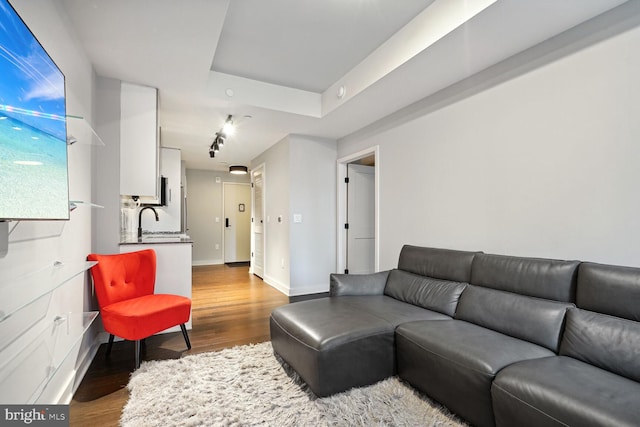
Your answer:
<point x="238" y="170"/>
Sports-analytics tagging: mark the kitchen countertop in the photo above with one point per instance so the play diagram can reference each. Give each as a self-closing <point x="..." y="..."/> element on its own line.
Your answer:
<point x="155" y="238"/>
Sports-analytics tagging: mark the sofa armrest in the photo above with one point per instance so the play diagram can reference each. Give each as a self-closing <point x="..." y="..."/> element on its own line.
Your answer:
<point x="358" y="284"/>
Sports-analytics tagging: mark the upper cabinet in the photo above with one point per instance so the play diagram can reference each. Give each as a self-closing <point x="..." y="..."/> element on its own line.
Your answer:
<point x="139" y="142"/>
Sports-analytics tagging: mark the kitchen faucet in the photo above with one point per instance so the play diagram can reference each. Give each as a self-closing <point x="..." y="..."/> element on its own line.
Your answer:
<point x="140" y="219"/>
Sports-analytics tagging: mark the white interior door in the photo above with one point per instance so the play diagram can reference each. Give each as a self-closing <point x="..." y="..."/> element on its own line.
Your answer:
<point x="237" y="222"/>
<point x="257" y="260"/>
<point x="361" y="219"/>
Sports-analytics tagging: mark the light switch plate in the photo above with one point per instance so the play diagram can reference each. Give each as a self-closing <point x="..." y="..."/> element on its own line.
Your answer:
<point x="297" y="218"/>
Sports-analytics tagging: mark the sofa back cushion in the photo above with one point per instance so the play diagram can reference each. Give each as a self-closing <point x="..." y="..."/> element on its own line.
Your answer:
<point x="357" y="284"/>
<point x="531" y="319"/>
<point x="604" y="341"/>
<point x="434" y="294"/>
<point x="536" y="277"/>
<point x="445" y="264"/>
<point x="609" y="289"/>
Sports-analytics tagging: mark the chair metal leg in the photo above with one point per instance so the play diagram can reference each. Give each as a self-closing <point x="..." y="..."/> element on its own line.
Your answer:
<point x="137" y="350"/>
<point x="186" y="336"/>
<point x="109" y="344"/>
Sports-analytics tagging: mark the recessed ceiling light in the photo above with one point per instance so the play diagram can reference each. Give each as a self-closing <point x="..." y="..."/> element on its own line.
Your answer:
<point x="341" y="92"/>
<point x="229" y="92"/>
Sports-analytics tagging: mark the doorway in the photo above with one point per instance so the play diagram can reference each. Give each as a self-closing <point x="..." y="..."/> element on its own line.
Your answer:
<point x="360" y="234"/>
<point x="358" y="207"/>
<point x="237" y="222"/>
<point x="257" y="250"/>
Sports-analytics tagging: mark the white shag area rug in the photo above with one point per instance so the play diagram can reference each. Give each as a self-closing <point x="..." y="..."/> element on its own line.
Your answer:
<point x="248" y="386"/>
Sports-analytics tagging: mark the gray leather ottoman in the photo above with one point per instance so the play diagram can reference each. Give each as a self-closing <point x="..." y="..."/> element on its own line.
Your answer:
<point x="335" y="344"/>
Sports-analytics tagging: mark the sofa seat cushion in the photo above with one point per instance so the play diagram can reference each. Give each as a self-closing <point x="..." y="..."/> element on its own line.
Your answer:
<point x="454" y="362"/>
<point x="560" y="391"/>
<point x="335" y="344"/>
<point x="391" y="310"/>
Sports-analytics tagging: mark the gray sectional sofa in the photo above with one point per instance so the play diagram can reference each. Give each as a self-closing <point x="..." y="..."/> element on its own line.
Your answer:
<point x="499" y="340"/>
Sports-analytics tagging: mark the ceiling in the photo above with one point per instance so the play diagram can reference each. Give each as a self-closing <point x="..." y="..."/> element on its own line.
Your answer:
<point x="278" y="66"/>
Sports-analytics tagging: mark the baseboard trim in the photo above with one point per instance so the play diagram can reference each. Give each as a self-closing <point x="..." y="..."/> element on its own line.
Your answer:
<point x="308" y="297"/>
<point x="66" y="393"/>
<point x="309" y="289"/>
<point x="276" y="284"/>
<point x="301" y="290"/>
<point x="207" y="262"/>
<point x="81" y="370"/>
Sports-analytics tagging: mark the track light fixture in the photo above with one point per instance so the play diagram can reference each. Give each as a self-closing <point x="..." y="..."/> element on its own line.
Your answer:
<point x="213" y="149"/>
<point x="218" y="140"/>
<point x="228" y="127"/>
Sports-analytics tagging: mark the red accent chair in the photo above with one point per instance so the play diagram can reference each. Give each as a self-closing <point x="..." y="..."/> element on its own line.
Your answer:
<point x="124" y="284"/>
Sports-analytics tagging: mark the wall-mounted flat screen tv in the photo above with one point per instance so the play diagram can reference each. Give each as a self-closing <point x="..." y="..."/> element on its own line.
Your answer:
<point x="34" y="180"/>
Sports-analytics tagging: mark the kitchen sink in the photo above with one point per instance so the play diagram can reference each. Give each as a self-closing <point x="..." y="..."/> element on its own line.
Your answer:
<point x="167" y="236"/>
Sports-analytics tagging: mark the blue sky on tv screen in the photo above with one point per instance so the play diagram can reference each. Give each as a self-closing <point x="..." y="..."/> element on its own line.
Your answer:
<point x="31" y="86"/>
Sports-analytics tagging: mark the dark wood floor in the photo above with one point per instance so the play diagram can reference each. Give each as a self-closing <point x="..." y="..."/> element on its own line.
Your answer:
<point x="230" y="307"/>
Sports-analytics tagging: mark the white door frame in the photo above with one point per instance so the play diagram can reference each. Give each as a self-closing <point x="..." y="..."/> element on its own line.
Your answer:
<point x="224" y="228"/>
<point x="342" y="205"/>
<point x="262" y="168"/>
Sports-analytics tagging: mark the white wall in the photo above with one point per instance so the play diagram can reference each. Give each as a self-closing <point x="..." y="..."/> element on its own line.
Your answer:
<point x="300" y="178"/>
<point x="106" y="167"/>
<point x="277" y="195"/>
<point x="204" y="205"/>
<point x="169" y="218"/>
<point x="38" y="244"/>
<point x="544" y="164"/>
<point x="313" y="195"/>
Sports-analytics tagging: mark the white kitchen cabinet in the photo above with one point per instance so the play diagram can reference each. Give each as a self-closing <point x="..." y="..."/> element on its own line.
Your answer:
<point x="139" y="142"/>
<point x="173" y="269"/>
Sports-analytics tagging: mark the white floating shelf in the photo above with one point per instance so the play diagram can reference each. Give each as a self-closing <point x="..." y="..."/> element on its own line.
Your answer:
<point x="80" y="131"/>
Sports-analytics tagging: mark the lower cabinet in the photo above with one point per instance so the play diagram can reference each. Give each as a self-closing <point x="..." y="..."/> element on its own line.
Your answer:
<point x="173" y="269"/>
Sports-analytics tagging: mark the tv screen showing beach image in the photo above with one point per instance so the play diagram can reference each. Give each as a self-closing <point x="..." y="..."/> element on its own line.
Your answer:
<point x="33" y="135"/>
